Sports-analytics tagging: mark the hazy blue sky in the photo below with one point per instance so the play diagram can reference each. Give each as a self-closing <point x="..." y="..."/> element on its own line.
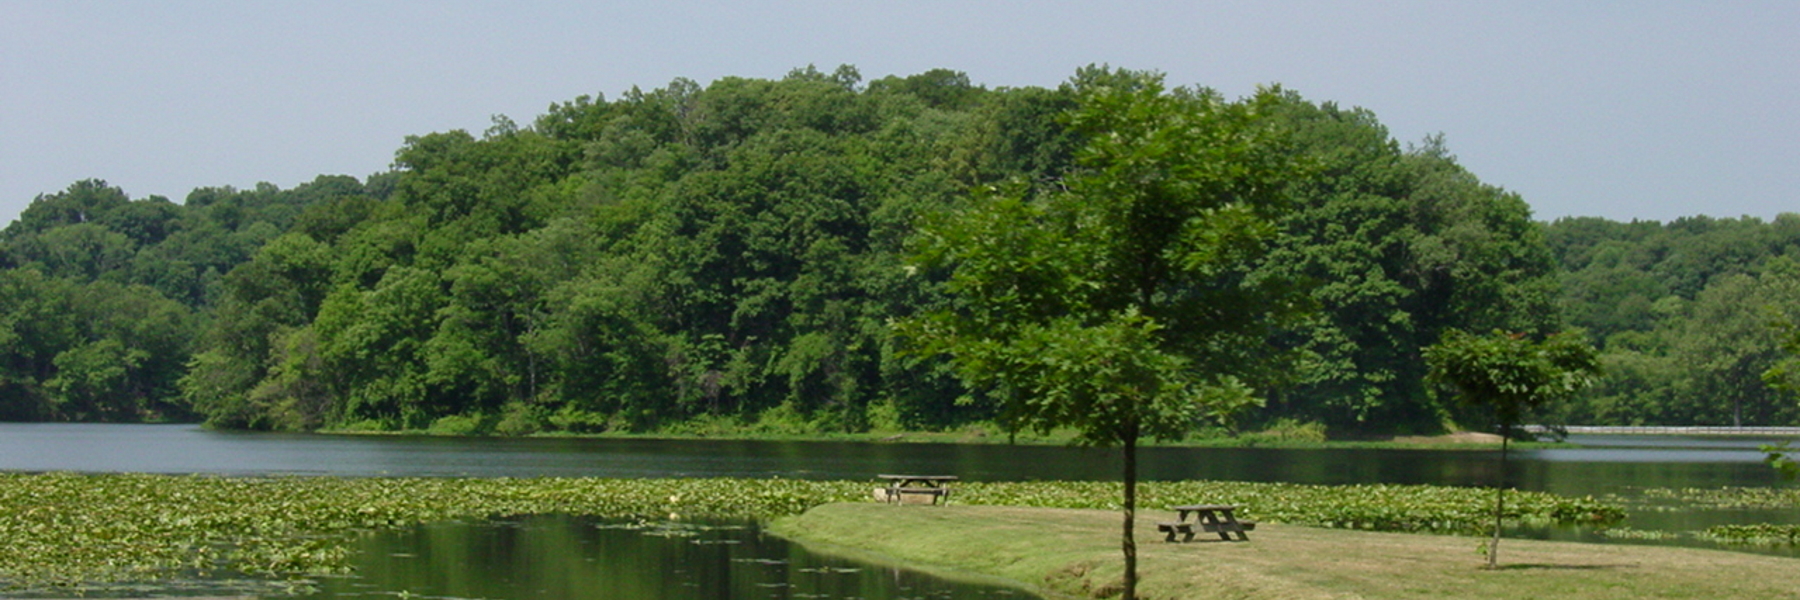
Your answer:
<point x="1633" y="109"/>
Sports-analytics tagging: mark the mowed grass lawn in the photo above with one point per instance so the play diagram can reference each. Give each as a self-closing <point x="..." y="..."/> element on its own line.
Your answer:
<point x="1075" y="553"/>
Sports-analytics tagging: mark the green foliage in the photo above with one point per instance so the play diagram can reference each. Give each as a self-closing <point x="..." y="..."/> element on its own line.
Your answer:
<point x="723" y="251"/>
<point x="1784" y="376"/>
<point x="1510" y="374"/>
<point x="110" y="295"/>
<point x="1400" y="245"/>
<point x="460" y="425"/>
<point x="1689" y="315"/>
<point x="95" y="351"/>
<point x="1777" y="456"/>
<point x="1287" y="431"/>
<point x="1119" y="306"/>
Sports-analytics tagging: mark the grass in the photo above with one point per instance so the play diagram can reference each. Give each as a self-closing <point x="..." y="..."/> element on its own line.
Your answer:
<point x="1074" y="553"/>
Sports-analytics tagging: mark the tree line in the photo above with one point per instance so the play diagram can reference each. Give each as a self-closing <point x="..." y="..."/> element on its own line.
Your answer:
<point x="1691" y="317"/>
<point x="738" y="253"/>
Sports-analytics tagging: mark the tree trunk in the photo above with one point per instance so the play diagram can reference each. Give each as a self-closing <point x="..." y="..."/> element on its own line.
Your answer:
<point x="1499" y="500"/>
<point x="1130" y="541"/>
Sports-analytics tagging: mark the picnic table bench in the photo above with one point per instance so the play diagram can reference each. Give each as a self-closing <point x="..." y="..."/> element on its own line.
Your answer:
<point x="914" y="489"/>
<point x="1209" y="518"/>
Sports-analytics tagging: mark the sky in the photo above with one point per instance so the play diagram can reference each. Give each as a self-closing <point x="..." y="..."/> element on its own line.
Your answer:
<point x="1627" y="110"/>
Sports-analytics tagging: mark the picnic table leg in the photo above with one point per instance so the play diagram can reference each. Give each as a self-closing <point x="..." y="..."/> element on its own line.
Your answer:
<point x="1188" y="530"/>
<point x="1213" y="519"/>
<point x="1234" y="526"/>
<point x="1237" y="528"/>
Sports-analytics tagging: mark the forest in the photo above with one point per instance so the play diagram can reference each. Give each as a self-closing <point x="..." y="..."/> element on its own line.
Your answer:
<point x="735" y="255"/>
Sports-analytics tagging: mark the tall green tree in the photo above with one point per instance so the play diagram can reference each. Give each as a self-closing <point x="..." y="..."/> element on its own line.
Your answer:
<point x="1510" y="374"/>
<point x="1703" y="360"/>
<point x="1402" y="244"/>
<point x="94" y="351"/>
<point x="1119" y="302"/>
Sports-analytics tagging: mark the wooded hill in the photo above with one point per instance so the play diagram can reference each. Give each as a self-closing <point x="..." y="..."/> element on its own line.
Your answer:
<point x="691" y="256"/>
<point x="1691" y="316"/>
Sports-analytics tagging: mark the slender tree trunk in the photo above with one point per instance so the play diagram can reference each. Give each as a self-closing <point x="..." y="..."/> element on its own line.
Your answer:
<point x="1499" y="500"/>
<point x="1130" y="540"/>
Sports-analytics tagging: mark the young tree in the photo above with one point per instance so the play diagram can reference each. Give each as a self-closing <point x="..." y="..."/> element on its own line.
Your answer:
<point x="1785" y="377"/>
<point x="1512" y="374"/>
<point x="1119" y="303"/>
<point x="1784" y="463"/>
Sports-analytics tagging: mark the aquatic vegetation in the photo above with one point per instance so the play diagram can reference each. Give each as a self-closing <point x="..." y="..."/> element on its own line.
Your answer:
<point x="1675" y="500"/>
<point x="1628" y="533"/>
<point x="67" y="530"/>
<point x="1759" y="534"/>
<point x="72" y="530"/>
<point x="1725" y="497"/>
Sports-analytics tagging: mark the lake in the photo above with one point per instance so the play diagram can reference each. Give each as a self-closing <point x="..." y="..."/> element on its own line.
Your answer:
<point x="1615" y="465"/>
<point x="1605" y="464"/>
<point x="554" y="556"/>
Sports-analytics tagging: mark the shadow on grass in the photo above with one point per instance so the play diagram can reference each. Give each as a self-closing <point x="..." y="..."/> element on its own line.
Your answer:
<point x="1545" y="567"/>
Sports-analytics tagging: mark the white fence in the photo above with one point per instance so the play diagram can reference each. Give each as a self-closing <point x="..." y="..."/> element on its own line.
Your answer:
<point x="1684" y="430"/>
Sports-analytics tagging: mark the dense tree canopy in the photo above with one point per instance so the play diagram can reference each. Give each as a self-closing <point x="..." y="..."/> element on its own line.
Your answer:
<point x="1402" y="245"/>
<point x="106" y="296"/>
<point x="731" y="255"/>
<point x="1118" y="300"/>
<point x="1686" y="314"/>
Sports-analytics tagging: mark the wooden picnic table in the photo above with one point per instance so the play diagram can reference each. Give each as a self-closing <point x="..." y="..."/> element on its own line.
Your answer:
<point x="1211" y="518"/>
<point x="901" y="486"/>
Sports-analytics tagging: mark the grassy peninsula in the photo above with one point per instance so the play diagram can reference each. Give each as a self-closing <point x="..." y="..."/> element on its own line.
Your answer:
<point x="1072" y="553"/>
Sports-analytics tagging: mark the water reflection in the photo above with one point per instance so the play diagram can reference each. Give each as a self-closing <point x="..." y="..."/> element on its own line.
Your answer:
<point x="556" y="557"/>
<point x="1668" y="442"/>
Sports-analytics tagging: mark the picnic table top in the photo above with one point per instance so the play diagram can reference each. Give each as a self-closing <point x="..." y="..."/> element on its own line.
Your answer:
<point x="918" y="477"/>
<point x="1204" y="507"/>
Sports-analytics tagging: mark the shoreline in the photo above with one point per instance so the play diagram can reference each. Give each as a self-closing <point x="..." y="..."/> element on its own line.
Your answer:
<point x="1449" y="441"/>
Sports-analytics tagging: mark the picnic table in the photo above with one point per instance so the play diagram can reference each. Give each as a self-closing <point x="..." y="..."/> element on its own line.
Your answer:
<point x="914" y="489"/>
<point x="1210" y="518"/>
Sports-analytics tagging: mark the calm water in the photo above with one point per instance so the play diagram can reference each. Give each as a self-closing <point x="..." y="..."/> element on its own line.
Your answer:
<point x="564" y="558"/>
<point x="1610" y="464"/>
